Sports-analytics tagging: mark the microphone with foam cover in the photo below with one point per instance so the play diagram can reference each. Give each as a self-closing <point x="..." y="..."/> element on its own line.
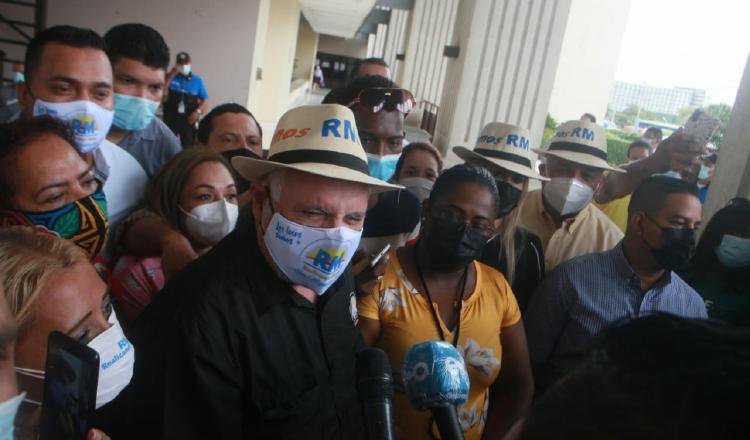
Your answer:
<point x="435" y="378"/>
<point x="375" y="388"/>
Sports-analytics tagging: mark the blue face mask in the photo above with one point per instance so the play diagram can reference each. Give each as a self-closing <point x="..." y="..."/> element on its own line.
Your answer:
<point x="733" y="251"/>
<point x="133" y="113"/>
<point x="703" y="173"/>
<point x="382" y="167"/>
<point x="18" y="77"/>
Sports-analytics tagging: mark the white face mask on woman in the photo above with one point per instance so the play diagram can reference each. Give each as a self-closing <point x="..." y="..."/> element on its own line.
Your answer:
<point x="419" y="186"/>
<point x="211" y="222"/>
<point x="567" y="196"/>
<point x="116" y="360"/>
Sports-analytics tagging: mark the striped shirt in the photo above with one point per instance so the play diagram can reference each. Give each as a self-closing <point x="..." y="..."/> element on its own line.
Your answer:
<point x="580" y="298"/>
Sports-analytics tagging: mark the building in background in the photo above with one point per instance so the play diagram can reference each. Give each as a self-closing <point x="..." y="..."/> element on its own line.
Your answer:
<point x="667" y="101"/>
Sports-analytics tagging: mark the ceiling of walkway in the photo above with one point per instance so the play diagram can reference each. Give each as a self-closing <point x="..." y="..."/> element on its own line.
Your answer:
<point x="340" y="18"/>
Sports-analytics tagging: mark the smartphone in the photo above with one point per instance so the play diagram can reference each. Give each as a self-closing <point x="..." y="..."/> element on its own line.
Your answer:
<point x="701" y="125"/>
<point x="71" y="379"/>
<point x="379" y="255"/>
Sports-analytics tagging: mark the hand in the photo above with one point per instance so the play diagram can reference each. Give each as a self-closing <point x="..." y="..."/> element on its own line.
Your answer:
<point x="174" y="71"/>
<point x="678" y="152"/>
<point x="366" y="280"/>
<point x="95" y="434"/>
<point x="193" y="118"/>
<point x="176" y="254"/>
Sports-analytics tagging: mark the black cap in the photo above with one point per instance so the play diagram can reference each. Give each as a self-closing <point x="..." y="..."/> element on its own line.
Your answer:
<point x="183" y="58"/>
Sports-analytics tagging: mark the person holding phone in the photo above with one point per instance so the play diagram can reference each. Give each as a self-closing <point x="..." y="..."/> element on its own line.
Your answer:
<point x="50" y="285"/>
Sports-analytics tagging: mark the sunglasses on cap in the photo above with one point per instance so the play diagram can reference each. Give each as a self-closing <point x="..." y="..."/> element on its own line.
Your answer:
<point x="377" y="99"/>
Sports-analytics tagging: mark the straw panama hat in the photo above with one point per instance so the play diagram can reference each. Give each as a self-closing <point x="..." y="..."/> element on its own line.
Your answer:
<point x="506" y="146"/>
<point x="316" y="139"/>
<point x="581" y="142"/>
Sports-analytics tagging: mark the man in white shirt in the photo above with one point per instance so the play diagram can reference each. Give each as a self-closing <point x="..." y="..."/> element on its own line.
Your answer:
<point x="69" y="77"/>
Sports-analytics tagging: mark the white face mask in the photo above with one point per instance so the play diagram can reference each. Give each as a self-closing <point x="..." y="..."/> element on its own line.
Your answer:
<point x="116" y="360"/>
<point x="8" y="411"/>
<point x="733" y="251"/>
<point x="310" y="257"/>
<point x="567" y="196"/>
<point x="211" y="222"/>
<point x="88" y="121"/>
<point x="185" y="69"/>
<point x="419" y="186"/>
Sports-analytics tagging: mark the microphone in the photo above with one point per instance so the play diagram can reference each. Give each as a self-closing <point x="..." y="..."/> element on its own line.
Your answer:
<point x="435" y="378"/>
<point x="375" y="388"/>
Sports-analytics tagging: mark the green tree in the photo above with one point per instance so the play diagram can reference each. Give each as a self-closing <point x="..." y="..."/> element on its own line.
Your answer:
<point x="722" y="112"/>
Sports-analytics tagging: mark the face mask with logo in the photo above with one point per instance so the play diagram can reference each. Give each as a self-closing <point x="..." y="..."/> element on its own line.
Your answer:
<point x="185" y="69"/>
<point x="211" y="222"/>
<point x="89" y="122"/>
<point x="733" y="251"/>
<point x="677" y="246"/>
<point x="509" y="197"/>
<point x="311" y="257"/>
<point x="567" y="196"/>
<point x="84" y="222"/>
<point x="18" y="77"/>
<point x="116" y="361"/>
<point x="382" y="167"/>
<point x="453" y="244"/>
<point x="133" y="113"/>
<point x="419" y="186"/>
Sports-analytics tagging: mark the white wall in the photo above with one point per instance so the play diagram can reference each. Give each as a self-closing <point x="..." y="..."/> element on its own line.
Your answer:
<point x="588" y="58"/>
<point x="219" y="35"/>
<point x="339" y="46"/>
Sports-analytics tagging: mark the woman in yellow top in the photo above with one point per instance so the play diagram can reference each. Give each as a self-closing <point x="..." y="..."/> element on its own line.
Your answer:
<point x="472" y="307"/>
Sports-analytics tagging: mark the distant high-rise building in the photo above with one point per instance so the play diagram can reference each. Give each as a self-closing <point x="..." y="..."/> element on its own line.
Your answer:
<point x="654" y="99"/>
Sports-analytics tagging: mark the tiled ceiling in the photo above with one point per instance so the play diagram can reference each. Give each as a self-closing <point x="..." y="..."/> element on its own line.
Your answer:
<point x="340" y="18"/>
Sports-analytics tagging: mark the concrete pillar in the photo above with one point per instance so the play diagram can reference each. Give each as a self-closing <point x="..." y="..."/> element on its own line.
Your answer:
<point x="732" y="174"/>
<point x="509" y="52"/>
<point x="269" y="96"/>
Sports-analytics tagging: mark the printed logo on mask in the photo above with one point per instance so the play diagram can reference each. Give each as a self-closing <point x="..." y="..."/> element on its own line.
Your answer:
<point x="326" y="259"/>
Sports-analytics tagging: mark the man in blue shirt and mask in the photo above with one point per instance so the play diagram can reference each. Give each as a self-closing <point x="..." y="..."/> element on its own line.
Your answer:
<point x="187" y="100"/>
<point x="139" y="58"/>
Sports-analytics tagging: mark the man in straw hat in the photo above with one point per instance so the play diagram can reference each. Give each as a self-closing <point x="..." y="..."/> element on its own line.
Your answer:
<point x="561" y="214"/>
<point x="263" y="340"/>
<point x="505" y="151"/>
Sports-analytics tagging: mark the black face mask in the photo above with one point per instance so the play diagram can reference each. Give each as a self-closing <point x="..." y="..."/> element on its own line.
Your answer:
<point x="509" y="197"/>
<point x="453" y="245"/>
<point x="677" y="247"/>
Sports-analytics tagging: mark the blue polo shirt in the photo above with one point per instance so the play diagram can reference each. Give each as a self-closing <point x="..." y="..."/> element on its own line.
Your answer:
<point x="189" y="85"/>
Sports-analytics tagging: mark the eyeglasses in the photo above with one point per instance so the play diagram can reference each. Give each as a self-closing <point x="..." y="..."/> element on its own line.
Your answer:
<point x="379" y="98"/>
<point x="484" y="226"/>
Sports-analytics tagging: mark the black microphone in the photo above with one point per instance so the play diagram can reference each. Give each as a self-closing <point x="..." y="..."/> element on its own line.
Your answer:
<point x="375" y="388"/>
<point x="435" y="378"/>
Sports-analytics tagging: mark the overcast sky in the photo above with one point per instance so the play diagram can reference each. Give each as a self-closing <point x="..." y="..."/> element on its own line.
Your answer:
<point x="687" y="43"/>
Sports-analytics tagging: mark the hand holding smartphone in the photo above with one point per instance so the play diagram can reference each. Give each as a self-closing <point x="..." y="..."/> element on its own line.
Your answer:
<point x="70" y="384"/>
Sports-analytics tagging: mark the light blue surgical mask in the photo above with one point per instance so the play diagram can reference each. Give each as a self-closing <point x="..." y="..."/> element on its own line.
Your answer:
<point x="703" y="173"/>
<point x="185" y="69"/>
<point x="8" y="411"/>
<point x="382" y="167"/>
<point x="133" y="113"/>
<point x="733" y="251"/>
<point x="18" y="77"/>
